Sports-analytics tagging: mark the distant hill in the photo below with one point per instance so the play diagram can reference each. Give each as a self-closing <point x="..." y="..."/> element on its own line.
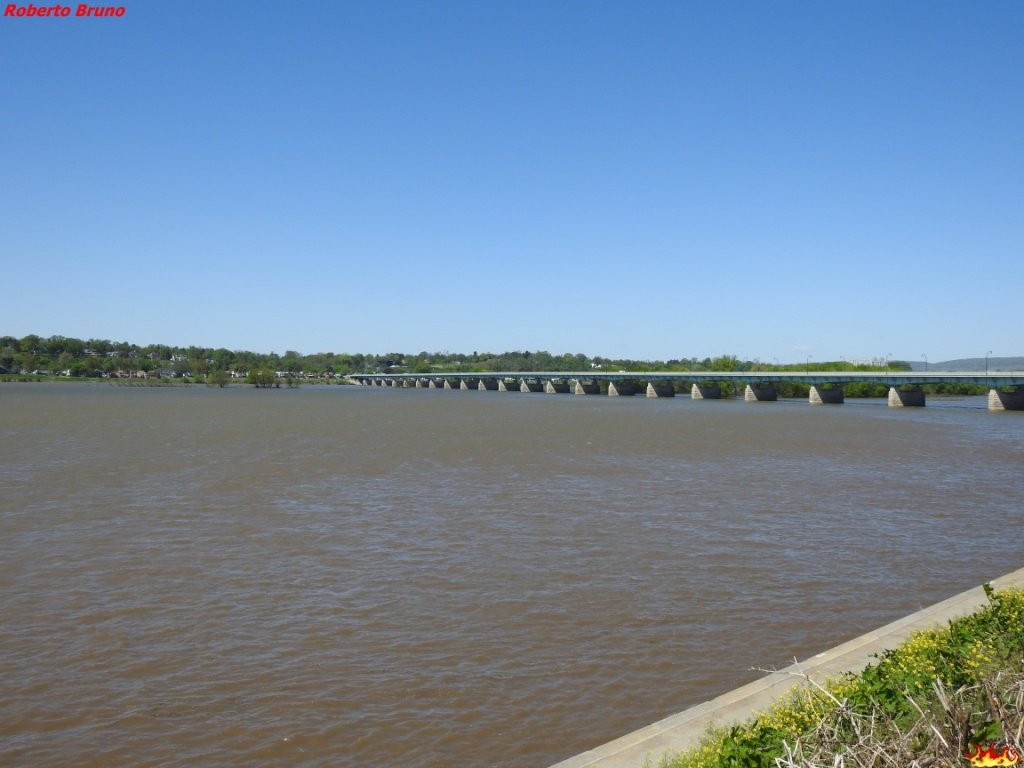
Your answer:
<point x="974" y="364"/>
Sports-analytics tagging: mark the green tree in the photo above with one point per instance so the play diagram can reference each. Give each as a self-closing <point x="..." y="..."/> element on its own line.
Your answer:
<point x="26" y="361"/>
<point x="60" y="345"/>
<point x="290" y="362"/>
<point x="262" y="378"/>
<point x="218" y="378"/>
<point x="64" y="361"/>
<point x="98" y="346"/>
<point x="725" y="363"/>
<point x="29" y="343"/>
<point x="222" y="358"/>
<point x="7" y="357"/>
<point x="91" y="366"/>
<point x="198" y="366"/>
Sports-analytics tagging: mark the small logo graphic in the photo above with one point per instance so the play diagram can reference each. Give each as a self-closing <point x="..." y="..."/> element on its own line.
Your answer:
<point x="991" y="756"/>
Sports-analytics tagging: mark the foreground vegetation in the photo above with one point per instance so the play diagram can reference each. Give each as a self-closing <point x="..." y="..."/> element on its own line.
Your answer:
<point x="924" y="704"/>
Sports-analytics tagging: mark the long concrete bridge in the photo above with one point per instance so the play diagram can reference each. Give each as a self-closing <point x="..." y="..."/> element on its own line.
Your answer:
<point x="1006" y="390"/>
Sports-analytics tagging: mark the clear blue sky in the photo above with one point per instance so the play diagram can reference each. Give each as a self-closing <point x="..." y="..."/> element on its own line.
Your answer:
<point x="644" y="180"/>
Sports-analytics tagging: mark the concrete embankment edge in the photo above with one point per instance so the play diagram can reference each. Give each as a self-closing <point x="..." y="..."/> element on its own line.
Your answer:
<point x="685" y="729"/>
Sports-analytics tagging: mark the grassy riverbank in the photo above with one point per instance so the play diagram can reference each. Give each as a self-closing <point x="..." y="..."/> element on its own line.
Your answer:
<point x="923" y="704"/>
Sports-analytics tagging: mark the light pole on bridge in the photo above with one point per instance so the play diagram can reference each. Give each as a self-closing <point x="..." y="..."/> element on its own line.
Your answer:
<point x="925" y="363"/>
<point x="986" y="361"/>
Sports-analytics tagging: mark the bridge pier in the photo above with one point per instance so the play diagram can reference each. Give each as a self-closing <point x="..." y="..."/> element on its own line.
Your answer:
<point x="660" y="389"/>
<point x="1006" y="401"/>
<point x="706" y="391"/>
<point x="821" y="396"/>
<point x="587" y="388"/>
<point x="760" y="393"/>
<point x="1005" y="391"/>
<point x="621" y="388"/>
<point x="906" y="398"/>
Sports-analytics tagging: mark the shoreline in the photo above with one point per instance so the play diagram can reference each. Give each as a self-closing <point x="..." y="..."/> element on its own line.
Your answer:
<point x="684" y="730"/>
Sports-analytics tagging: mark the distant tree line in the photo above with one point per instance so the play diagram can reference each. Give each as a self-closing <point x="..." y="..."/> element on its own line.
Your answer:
<point x="92" y="357"/>
<point x="63" y="355"/>
<point x="99" y="357"/>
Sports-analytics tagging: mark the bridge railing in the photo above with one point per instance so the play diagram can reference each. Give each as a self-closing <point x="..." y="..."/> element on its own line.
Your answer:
<point x="890" y="378"/>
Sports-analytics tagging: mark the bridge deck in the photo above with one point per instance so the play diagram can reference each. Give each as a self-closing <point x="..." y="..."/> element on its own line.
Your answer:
<point x="890" y="378"/>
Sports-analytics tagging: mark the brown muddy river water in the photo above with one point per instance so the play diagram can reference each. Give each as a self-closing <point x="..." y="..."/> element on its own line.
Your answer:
<point x="353" y="576"/>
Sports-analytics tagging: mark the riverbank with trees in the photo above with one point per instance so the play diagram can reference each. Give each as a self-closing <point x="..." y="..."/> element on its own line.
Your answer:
<point x="35" y="358"/>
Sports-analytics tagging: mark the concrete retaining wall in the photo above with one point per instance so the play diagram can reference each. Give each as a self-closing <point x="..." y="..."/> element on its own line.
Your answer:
<point x="685" y="729"/>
